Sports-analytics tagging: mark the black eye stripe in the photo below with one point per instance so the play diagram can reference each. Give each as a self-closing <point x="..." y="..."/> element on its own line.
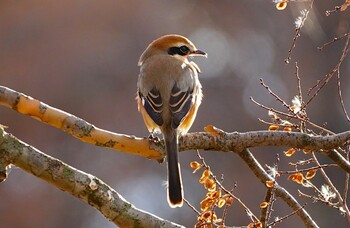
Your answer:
<point x="183" y="50"/>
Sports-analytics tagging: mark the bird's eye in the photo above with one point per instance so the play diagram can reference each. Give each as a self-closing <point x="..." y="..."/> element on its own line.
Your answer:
<point x="183" y="50"/>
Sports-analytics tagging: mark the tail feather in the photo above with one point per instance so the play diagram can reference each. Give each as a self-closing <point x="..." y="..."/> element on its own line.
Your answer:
<point x="175" y="191"/>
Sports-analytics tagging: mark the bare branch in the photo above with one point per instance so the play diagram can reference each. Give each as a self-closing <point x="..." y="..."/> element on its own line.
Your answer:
<point x="285" y="217"/>
<point x="300" y="94"/>
<point x="275" y="95"/>
<point x="321" y="83"/>
<point x="341" y="96"/>
<point x="335" y="39"/>
<point x="152" y="149"/>
<point x="334" y="189"/>
<point x="82" y="185"/>
<point x="307" y="169"/>
<point x="297" y="33"/>
<point x="262" y="175"/>
<point x="75" y="126"/>
<point x="266" y="212"/>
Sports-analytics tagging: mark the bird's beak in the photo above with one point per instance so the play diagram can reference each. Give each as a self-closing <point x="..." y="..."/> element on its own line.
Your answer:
<point x="199" y="53"/>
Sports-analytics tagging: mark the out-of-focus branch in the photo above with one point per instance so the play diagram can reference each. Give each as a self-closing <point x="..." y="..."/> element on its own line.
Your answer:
<point x="79" y="184"/>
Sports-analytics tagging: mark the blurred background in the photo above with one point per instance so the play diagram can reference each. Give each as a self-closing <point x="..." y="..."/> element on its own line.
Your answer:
<point x="81" y="57"/>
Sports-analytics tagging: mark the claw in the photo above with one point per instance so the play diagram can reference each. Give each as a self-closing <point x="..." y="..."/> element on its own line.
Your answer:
<point x="153" y="138"/>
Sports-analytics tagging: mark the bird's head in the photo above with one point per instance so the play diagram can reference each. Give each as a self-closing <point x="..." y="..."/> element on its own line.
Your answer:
<point x="175" y="45"/>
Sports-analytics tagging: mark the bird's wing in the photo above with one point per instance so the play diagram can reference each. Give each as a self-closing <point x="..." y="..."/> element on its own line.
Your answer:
<point x="153" y="105"/>
<point x="180" y="103"/>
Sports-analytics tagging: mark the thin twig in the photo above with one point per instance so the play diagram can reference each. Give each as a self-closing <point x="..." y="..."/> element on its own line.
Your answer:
<point x="249" y="212"/>
<point x="297" y="34"/>
<point x="291" y="116"/>
<point x="317" y="199"/>
<point x="333" y="41"/>
<point x="285" y="217"/>
<point x="346" y="187"/>
<point x="308" y="169"/>
<point x="328" y="12"/>
<point x="275" y="95"/>
<point x="341" y="97"/>
<point x="300" y="94"/>
<point x="334" y="189"/>
<point x="262" y="175"/>
<point x="302" y="126"/>
<point x="265" y="213"/>
<point x="191" y="206"/>
<point x="301" y="162"/>
<point x="279" y="124"/>
<point x="274" y="110"/>
<point x="224" y="214"/>
<point x="321" y="83"/>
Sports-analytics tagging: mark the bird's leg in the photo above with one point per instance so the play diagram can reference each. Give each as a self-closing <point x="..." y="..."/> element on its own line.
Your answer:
<point x="154" y="138"/>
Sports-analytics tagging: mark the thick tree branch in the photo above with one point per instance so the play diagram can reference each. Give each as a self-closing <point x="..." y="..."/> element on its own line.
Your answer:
<point x="75" y="126"/>
<point x="237" y="142"/>
<point x="79" y="184"/>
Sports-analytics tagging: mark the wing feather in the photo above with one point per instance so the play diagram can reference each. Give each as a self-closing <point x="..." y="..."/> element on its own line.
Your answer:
<point x="153" y="105"/>
<point x="180" y="103"/>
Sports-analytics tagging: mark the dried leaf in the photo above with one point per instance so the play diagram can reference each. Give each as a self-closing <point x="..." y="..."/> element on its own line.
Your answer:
<point x="229" y="200"/>
<point x="216" y="194"/>
<point x="273" y="127"/>
<point x="281" y="5"/>
<point x="255" y="225"/>
<point x="287" y="128"/>
<point x="264" y="205"/>
<point x="306" y="151"/>
<point x="204" y="177"/>
<point x="206" y="173"/>
<point x="291" y="177"/>
<point x="345" y="5"/>
<point x="206" y="204"/>
<point x="310" y="174"/>
<point x="290" y="152"/>
<point x="213" y="130"/>
<point x="270" y="184"/>
<point x="221" y="203"/>
<point x="195" y="165"/>
<point x="298" y="177"/>
<point x="207" y="215"/>
<point x="210" y="184"/>
<point x="258" y="225"/>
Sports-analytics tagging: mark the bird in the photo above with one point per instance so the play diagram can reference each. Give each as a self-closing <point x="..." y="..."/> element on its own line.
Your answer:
<point x="168" y="96"/>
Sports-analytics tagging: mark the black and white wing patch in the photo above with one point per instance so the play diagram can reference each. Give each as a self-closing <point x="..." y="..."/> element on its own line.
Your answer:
<point x="180" y="103"/>
<point x="153" y="105"/>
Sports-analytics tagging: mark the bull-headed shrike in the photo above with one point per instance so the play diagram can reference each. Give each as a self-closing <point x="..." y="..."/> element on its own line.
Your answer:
<point x="169" y="94"/>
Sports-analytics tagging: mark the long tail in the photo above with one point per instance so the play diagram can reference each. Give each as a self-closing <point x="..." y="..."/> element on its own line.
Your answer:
<point x="175" y="191"/>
